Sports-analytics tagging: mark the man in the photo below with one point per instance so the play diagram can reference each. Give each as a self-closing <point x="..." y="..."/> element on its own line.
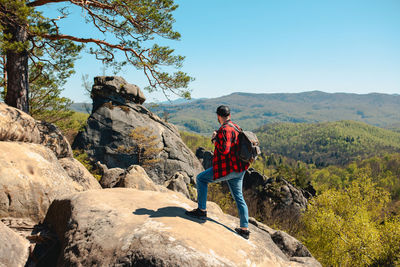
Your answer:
<point x="226" y="167"/>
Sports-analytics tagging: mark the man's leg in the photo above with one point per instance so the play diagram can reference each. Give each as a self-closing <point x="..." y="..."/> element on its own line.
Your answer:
<point x="235" y="186"/>
<point x="202" y="181"/>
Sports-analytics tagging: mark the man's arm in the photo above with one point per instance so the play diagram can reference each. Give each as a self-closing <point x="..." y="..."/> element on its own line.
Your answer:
<point x="223" y="142"/>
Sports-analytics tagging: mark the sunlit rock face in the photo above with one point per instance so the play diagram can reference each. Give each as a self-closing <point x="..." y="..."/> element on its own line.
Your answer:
<point x="129" y="227"/>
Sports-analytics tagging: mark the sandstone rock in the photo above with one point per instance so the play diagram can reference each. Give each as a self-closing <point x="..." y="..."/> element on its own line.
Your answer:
<point x="137" y="178"/>
<point x="16" y="125"/>
<point x="22" y="226"/>
<point x="289" y="245"/>
<point x="290" y="196"/>
<point x="77" y="172"/>
<point x="110" y="124"/>
<point x="51" y="137"/>
<point x="30" y="178"/>
<point x="128" y="227"/>
<point x="115" y="88"/>
<point x="178" y="183"/>
<point x="261" y="226"/>
<point x="13" y="248"/>
<point x="284" y="198"/>
<point x="111" y="177"/>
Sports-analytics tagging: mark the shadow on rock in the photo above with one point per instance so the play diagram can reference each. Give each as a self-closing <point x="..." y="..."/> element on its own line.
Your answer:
<point x="175" y="212"/>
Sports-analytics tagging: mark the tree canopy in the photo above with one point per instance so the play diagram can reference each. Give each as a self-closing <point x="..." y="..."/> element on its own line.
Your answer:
<point x="128" y="33"/>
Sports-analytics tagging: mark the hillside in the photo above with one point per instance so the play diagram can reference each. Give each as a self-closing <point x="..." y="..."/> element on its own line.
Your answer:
<point x="253" y="110"/>
<point x="327" y="143"/>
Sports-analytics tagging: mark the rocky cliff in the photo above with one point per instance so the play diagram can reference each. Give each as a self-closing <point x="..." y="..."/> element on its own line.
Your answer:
<point x="116" y="112"/>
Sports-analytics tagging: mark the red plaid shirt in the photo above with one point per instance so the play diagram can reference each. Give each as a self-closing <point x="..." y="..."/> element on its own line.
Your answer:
<point x="225" y="158"/>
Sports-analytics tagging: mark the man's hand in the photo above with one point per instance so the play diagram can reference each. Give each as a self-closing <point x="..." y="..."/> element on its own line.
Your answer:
<point x="214" y="135"/>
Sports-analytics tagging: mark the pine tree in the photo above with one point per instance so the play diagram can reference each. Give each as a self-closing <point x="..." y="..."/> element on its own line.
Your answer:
<point x="28" y="37"/>
<point x="146" y="147"/>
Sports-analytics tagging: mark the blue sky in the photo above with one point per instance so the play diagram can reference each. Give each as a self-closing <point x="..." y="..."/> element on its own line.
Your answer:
<point x="265" y="46"/>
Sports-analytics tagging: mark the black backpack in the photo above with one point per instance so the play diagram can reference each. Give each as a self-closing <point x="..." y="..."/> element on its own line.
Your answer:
<point x="249" y="146"/>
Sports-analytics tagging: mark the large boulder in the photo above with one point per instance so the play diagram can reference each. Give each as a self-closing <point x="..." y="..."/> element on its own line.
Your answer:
<point x="178" y="183"/>
<point x="13" y="248"/>
<point x="115" y="88"/>
<point x="128" y="227"/>
<point x="16" y="125"/>
<point x="77" y="172"/>
<point x="133" y="177"/>
<point x="112" y="177"/>
<point x="290" y="245"/>
<point x="30" y="178"/>
<point x="108" y="129"/>
<point x="285" y="198"/>
<point x="137" y="178"/>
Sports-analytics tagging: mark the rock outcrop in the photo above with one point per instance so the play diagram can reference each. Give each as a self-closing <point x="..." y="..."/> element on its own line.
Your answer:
<point x="285" y="198"/>
<point x="115" y="114"/>
<point x="133" y="177"/>
<point x="116" y="89"/>
<point x="16" y="125"/>
<point x="178" y="183"/>
<point x="13" y="248"/>
<point x="137" y="178"/>
<point x="77" y="172"/>
<point x="112" y="177"/>
<point x="36" y="165"/>
<point x="128" y="227"/>
<point x="282" y="195"/>
<point x="30" y="178"/>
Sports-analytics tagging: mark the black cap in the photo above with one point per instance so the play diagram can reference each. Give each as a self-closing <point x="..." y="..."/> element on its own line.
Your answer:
<point x="223" y="111"/>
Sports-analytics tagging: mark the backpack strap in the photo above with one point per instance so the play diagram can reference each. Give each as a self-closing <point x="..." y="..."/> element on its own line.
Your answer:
<point x="234" y="127"/>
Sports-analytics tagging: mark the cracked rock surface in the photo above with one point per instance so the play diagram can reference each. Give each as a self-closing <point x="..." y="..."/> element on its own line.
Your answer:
<point x="13" y="248"/>
<point x="30" y="178"/>
<point x="128" y="227"/>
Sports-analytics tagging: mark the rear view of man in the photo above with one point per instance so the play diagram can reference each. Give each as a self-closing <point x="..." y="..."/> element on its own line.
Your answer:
<point x="226" y="167"/>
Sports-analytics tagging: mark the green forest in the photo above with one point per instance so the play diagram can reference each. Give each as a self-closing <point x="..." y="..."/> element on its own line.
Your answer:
<point x="327" y="143"/>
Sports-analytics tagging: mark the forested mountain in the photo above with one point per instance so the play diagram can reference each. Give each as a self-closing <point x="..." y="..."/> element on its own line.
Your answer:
<point x="253" y="110"/>
<point x="327" y="143"/>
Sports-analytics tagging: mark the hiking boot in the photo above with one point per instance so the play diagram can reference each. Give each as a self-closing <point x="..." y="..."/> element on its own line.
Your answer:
<point x="197" y="213"/>
<point x="243" y="233"/>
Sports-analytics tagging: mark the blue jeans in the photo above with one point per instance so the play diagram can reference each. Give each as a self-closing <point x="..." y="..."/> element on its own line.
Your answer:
<point x="235" y="182"/>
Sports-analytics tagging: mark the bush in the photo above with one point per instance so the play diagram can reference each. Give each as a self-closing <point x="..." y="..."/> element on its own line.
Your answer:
<point x="83" y="158"/>
<point x="351" y="227"/>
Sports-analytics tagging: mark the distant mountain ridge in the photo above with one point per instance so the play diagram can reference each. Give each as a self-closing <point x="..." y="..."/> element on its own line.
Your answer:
<point x="254" y="110"/>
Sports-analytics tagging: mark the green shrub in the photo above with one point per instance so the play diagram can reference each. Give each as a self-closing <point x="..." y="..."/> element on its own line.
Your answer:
<point x="351" y="227"/>
<point x="83" y="158"/>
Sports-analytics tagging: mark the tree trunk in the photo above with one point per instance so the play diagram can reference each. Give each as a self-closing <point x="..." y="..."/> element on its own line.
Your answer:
<point x="17" y="70"/>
